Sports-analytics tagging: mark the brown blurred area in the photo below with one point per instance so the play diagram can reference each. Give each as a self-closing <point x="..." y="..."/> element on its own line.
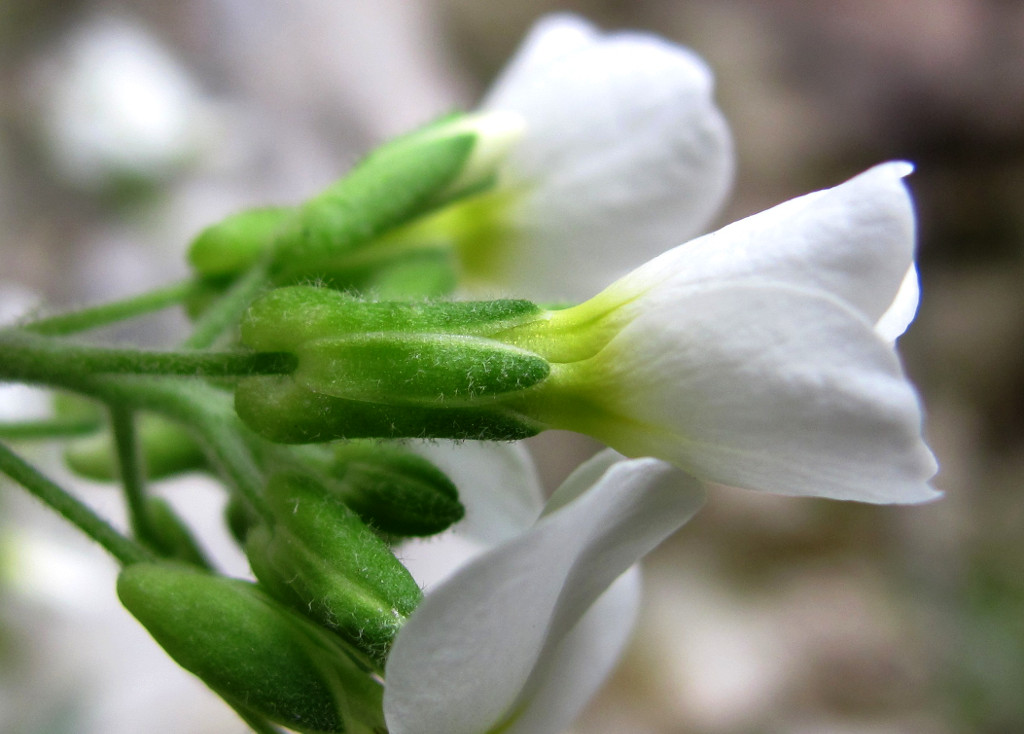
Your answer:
<point x="764" y="614"/>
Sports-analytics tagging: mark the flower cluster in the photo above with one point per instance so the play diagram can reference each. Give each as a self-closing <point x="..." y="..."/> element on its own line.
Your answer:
<point x="760" y="356"/>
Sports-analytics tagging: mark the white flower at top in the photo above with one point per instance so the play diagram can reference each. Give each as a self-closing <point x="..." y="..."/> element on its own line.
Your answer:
<point x="518" y="639"/>
<point x="624" y="152"/>
<point x="758" y="356"/>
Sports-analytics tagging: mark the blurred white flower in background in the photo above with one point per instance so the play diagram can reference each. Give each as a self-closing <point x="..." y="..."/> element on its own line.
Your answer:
<point x="115" y="104"/>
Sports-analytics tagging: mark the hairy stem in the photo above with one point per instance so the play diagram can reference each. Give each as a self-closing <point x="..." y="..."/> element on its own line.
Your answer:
<point x="48" y="428"/>
<point x="109" y="313"/>
<point x="27" y="357"/>
<point x="227" y="311"/>
<point x="122" y="420"/>
<point x="72" y="509"/>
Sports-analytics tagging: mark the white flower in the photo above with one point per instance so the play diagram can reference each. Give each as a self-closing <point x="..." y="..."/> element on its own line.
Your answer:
<point x="760" y="355"/>
<point x="521" y="637"/>
<point x="116" y="103"/>
<point x="624" y="152"/>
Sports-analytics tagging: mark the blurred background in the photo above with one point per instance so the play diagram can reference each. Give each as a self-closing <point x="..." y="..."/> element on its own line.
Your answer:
<point x="125" y="127"/>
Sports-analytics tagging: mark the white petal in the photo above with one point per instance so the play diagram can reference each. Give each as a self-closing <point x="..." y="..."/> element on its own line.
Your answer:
<point x="474" y="644"/>
<point x="854" y="241"/>
<point x="767" y="387"/>
<point x="902" y="310"/>
<point x="581" y="662"/>
<point x="497" y="482"/>
<point x="499" y="487"/>
<point x="551" y="38"/>
<point x="625" y="154"/>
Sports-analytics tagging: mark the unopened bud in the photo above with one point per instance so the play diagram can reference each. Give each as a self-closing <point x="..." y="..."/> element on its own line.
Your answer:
<point x="394" y="491"/>
<point x="166" y="448"/>
<point x="235" y="243"/>
<point x="321" y="559"/>
<point x="254" y="653"/>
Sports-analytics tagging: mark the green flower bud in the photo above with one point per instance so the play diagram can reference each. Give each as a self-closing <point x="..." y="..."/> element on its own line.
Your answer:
<point x="338" y="237"/>
<point x="234" y="244"/>
<point x="321" y="559"/>
<point x="396" y="183"/>
<point x="257" y="655"/>
<point x="394" y="491"/>
<point x="166" y="448"/>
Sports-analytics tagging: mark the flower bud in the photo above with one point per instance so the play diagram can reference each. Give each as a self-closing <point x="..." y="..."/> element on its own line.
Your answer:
<point x="235" y="243"/>
<point x="333" y="237"/>
<point x="398" y="182"/>
<point x="166" y="448"/>
<point x="394" y="491"/>
<point x="254" y="653"/>
<point x="321" y="559"/>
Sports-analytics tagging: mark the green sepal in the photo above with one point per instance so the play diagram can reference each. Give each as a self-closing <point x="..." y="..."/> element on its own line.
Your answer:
<point x="254" y="653"/>
<point x="393" y="185"/>
<point x="394" y="491"/>
<point x="284" y="412"/>
<point x="235" y="243"/>
<point x="166" y="447"/>
<point x="284" y="318"/>
<point x="321" y="559"/>
<point x="420" y="369"/>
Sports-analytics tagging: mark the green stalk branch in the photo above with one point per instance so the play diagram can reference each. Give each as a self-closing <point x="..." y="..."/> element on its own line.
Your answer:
<point x="122" y="420"/>
<point x="227" y="311"/>
<point x="108" y="313"/>
<point x="48" y="428"/>
<point x="72" y="509"/>
<point x="28" y="357"/>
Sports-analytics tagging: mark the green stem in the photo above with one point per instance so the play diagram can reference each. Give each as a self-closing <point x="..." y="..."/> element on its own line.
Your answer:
<point x="109" y="313"/>
<point x="27" y="357"/>
<point x="122" y="420"/>
<point x="50" y="428"/>
<point x="73" y="510"/>
<point x="193" y="403"/>
<point x="227" y="311"/>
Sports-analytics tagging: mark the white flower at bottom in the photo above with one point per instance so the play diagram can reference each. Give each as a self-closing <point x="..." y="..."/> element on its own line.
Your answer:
<point x="758" y="356"/>
<point x="520" y="638"/>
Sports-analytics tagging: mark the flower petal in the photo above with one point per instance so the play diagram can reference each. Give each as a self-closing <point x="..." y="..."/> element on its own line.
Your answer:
<point x="854" y="241"/>
<point x="624" y="154"/>
<point x="499" y="487"/>
<point x="581" y="662"/>
<point x="902" y="310"/>
<point x="551" y="38"/>
<point x="497" y="482"/>
<point x="763" y="386"/>
<point x="474" y="644"/>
